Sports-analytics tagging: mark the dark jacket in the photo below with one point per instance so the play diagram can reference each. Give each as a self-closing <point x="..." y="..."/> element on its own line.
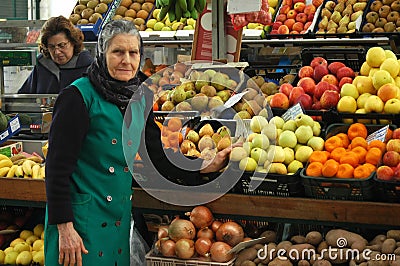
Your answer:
<point x="48" y="78"/>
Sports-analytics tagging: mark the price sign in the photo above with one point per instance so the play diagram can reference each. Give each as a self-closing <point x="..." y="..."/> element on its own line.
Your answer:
<point x="234" y="99"/>
<point x="237" y="6"/>
<point x="292" y="112"/>
<point x="380" y="134"/>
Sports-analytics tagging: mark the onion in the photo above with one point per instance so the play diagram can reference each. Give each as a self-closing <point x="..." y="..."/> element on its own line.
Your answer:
<point x="205" y="232"/>
<point x="202" y="246"/>
<point x="180" y="228"/>
<point x="168" y="248"/>
<point x="201" y="216"/>
<point x="162" y="231"/>
<point x="215" y="225"/>
<point x="231" y="233"/>
<point x="219" y="252"/>
<point x="184" y="248"/>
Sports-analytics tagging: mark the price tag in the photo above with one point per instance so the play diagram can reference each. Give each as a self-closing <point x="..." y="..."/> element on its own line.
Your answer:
<point x="237" y="6"/>
<point x="380" y="134"/>
<point x="234" y="99"/>
<point x="14" y="126"/>
<point x="292" y="112"/>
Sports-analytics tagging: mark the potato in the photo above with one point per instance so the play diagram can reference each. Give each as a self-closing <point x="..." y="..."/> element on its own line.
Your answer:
<point x="303" y="263"/>
<point x="248" y="263"/>
<point x="284" y="245"/>
<point x="333" y="235"/>
<point x="299" y="239"/>
<point x="270" y="236"/>
<point x="278" y="262"/>
<point x="397" y="251"/>
<point x="359" y="245"/>
<point x="395" y="263"/>
<point x="271" y="255"/>
<point x="246" y="254"/>
<point x="388" y="246"/>
<point x="397" y="244"/>
<point x="314" y="238"/>
<point x="376" y="247"/>
<point x="258" y="246"/>
<point x="395" y="234"/>
<point x="322" y="263"/>
<point x="296" y="251"/>
<point x="377" y="240"/>
<point x="323" y="245"/>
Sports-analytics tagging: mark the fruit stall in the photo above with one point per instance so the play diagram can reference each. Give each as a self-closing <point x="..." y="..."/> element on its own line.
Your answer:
<point x="315" y="104"/>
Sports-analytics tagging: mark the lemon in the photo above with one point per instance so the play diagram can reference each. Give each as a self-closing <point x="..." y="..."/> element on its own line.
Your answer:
<point x="38" y="229"/>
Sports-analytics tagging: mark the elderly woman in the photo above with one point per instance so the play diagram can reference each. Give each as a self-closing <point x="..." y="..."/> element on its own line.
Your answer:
<point x="88" y="181"/>
<point x="61" y="60"/>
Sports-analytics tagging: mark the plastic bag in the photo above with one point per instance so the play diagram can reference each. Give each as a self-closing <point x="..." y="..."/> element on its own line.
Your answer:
<point x="138" y="247"/>
<point x="263" y="16"/>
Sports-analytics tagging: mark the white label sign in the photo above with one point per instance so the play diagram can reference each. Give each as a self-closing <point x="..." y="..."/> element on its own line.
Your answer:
<point x="237" y="6"/>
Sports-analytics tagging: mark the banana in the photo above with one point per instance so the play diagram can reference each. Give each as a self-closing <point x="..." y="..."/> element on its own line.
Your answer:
<point x="183" y="5"/>
<point x="17" y="157"/>
<point x="6" y="163"/>
<point x="190" y="5"/>
<point x="42" y="172"/>
<point x="200" y="5"/>
<point x="19" y="172"/>
<point x="163" y="13"/>
<point x="11" y="172"/>
<point x="3" y="157"/>
<point x="4" y="170"/>
<point x="27" y="167"/>
<point x="178" y="12"/>
<point x="36" y="171"/>
<point x="19" y="162"/>
<point x="36" y="159"/>
<point x="194" y="14"/>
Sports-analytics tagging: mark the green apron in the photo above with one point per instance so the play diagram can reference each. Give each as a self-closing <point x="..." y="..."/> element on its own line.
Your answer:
<point x="101" y="185"/>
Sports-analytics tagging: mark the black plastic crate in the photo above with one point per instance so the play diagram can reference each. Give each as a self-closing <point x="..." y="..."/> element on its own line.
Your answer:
<point x="351" y="57"/>
<point x="162" y="116"/>
<point x="336" y="128"/>
<point x="376" y="118"/>
<point x="338" y="188"/>
<point x="272" y="73"/>
<point x="388" y="191"/>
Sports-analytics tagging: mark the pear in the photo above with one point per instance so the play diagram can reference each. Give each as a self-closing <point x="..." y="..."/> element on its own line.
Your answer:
<point x="325" y="12"/>
<point x="193" y="136"/>
<point x="208" y="154"/>
<point x="330" y="5"/>
<point x="195" y="75"/>
<point x="348" y="10"/>
<point x="218" y="81"/>
<point x="206" y="142"/>
<point x="331" y="30"/>
<point x="224" y="131"/>
<point x="193" y="153"/>
<point x="224" y="143"/>
<point x="352" y="25"/>
<point x="186" y="145"/>
<point x="340" y="7"/>
<point x="199" y="102"/>
<point x="323" y="24"/>
<point x="224" y="95"/>
<point x="332" y="25"/>
<point x="190" y="94"/>
<point x="359" y="6"/>
<point x="336" y="16"/>
<point x="178" y="95"/>
<point x="216" y="137"/>
<point x="183" y="107"/>
<point x="203" y="80"/>
<point x="355" y="15"/>
<point x="206" y="130"/>
<point x="344" y="21"/>
<point x="341" y="29"/>
<point x="215" y="102"/>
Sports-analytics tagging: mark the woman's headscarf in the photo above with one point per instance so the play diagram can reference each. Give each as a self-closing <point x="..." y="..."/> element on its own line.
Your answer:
<point x="115" y="91"/>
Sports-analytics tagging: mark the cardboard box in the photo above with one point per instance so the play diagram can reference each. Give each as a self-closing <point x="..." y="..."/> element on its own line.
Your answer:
<point x="11" y="148"/>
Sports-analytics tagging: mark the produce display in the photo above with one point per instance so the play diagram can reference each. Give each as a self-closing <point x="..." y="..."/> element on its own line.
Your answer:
<point x="382" y="16"/>
<point x="389" y="170"/>
<point x="89" y="11"/>
<point x="22" y="165"/>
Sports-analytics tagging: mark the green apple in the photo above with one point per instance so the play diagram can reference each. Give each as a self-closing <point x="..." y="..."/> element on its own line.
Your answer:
<point x="287" y="139"/>
<point x="248" y="164"/>
<point x="390" y="65"/>
<point x="261" y="169"/>
<point x="289" y="125"/>
<point x="257" y="123"/>
<point x="316" y="128"/>
<point x="303" y="153"/>
<point x="289" y="155"/>
<point x="373" y="104"/>
<point x="316" y="143"/>
<point x="260" y="141"/>
<point x="278" y="168"/>
<point x="347" y="104"/>
<point x="304" y="133"/>
<point x="362" y="99"/>
<point x="294" y="166"/>
<point x="304" y="120"/>
<point x="392" y="106"/>
<point x="270" y="131"/>
<point x="238" y="153"/>
<point x="348" y="89"/>
<point x="259" y="155"/>
<point x="298" y="145"/>
<point x="247" y="146"/>
<point x="276" y="154"/>
<point x="277" y="121"/>
<point x="381" y="77"/>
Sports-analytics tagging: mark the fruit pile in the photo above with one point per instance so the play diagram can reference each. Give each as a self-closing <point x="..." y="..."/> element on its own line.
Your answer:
<point x="278" y="146"/>
<point x="26" y="249"/>
<point x="340" y="16"/>
<point x="201" y="237"/>
<point x="347" y="155"/>
<point x="390" y="168"/>
<point x="135" y="10"/>
<point x="294" y="17"/>
<point x="382" y="16"/>
<point x="89" y="11"/>
<point x="22" y="165"/>
<point x="177" y="9"/>
<point x="156" y="24"/>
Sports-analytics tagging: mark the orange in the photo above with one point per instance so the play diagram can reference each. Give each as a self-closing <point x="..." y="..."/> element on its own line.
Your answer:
<point x="159" y="124"/>
<point x="318" y="156"/>
<point x="174" y="124"/>
<point x="330" y="168"/>
<point x="374" y="156"/>
<point x="389" y="135"/>
<point x="362" y="171"/>
<point x="345" y="171"/>
<point x="332" y="143"/>
<point x="349" y="158"/>
<point x="314" y="169"/>
<point x="361" y="153"/>
<point x="359" y="141"/>
<point x="155" y="106"/>
<point x="371" y="167"/>
<point x="357" y="130"/>
<point x="344" y="138"/>
<point x="378" y="144"/>
<point x="337" y="153"/>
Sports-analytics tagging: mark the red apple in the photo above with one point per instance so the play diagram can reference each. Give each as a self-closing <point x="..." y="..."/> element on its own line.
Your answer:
<point x="294" y="32"/>
<point x="284" y="9"/>
<point x="286" y="88"/>
<point x="334" y="67"/>
<point x="299" y="1"/>
<point x="307" y="25"/>
<point x="318" y="61"/>
<point x="283" y="29"/>
<point x="384" y="172"/>
<point x="287" y="2"/>
<point x="316" y="106"/>
<point x="320" y="71"/>
<point x="317" y="3"/>
<point x="396" y="133"/>
<point x="310" y="17"/>
<point x="274" y="31"/>
<point x="279" y="100"/>
<point x="294" y="94"/>
<point x="329" y="99"/>
<point x="280" y="18"/>
<point x="305" y="100"/>
<point x="333" y="87"/>
<point x="291" y="14"/>
<point x="289" y="23"/>
<point x="393" y="145"/>
<point x="298" y="26"/>
<point x="320" y="88"/>
<point x="391" y="158"/>
<point x="345" y="72"/>
<point x="345" y="80"/>
<point x="299" y="7"/>
<point x="306" y="71"/>
<point x="276" y="24"/>
<point x="301" y="17"/>
<point x="308" y="85"/>
<point x="331" y="79"/>
<point x="309" y="9"/>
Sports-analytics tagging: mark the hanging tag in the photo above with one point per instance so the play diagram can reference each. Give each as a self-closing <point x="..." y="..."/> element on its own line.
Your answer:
<point x="380" y="134"/>
<point x="237" y="6"/>
<point x="292" y="112"/>
<point x="234" y="99"/>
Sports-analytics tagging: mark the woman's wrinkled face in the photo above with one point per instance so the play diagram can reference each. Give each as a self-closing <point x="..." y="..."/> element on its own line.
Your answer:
<point x="123" y="57"/>
<point x="60" y="48"/>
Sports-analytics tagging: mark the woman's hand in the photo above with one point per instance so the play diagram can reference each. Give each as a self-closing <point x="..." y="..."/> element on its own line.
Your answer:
<point x="70" y="245"/>
<point x="219" y="161"/>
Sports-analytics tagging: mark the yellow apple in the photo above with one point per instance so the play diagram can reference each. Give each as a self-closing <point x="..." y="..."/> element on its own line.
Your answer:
<point x="372" y="71"/>
<point x="361" y="99"/>
<point x="365" y="68"/>
<point x="390" y="54"/>
<point x="392" y="106"/>
<point x="364" y="85"/>
<point x="349" y="89"/>
<point x="381" y="77"/>
<point x="375" y="56"/>
<point x="347" y="104"/>
<point x="373" y="104"/>
<point x="390" y="65"/>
